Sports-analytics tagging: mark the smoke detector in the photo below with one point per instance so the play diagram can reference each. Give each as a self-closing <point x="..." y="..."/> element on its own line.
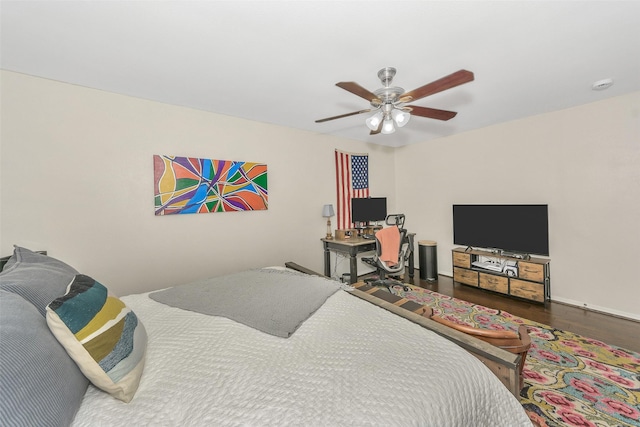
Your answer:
<point x="602" y="84"/>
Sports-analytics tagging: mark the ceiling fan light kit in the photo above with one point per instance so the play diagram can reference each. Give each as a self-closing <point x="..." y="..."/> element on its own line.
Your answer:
<point x="374" y="121"/>
<point x="400" y="117"/>
<point x="389" y="102"/>
<point x="388" y="127"/>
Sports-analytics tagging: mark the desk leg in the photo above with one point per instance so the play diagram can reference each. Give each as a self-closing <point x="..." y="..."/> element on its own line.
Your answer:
<point x="353" y="268"/>
<point x="411" y="266"/>
<point x="411" y="261"/>
<point x="327" y="261"/>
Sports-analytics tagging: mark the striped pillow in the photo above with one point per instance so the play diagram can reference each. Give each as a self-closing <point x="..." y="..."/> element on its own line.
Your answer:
<point x="101" y="334"/>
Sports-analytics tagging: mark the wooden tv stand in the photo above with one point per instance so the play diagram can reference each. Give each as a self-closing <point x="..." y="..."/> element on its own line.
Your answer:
<point x="532" y="281"/>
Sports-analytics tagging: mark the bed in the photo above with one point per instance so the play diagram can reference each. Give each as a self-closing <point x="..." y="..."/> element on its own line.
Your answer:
<point x="348" y="362"/>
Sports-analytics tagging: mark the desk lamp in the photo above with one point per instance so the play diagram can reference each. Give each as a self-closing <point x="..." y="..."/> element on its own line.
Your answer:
<point x="327" y="212"/>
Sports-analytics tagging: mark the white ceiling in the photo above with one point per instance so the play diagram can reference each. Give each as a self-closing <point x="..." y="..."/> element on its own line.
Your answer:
<point x="278" y="61"/>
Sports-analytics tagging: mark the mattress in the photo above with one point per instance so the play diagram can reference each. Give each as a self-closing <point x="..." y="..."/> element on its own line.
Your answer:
<point x="350" y="363"/>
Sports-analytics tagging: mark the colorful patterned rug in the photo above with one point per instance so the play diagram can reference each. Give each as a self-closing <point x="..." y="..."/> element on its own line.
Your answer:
<point x="569" y="380"/>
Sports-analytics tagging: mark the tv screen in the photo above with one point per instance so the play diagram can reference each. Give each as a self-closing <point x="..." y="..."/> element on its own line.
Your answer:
<point x="512" y="228"/>
<point x="369" y="209"/>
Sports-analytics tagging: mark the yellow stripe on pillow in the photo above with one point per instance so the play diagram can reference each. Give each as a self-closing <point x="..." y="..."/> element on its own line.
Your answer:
<point x="112" y="311"/>
<point x="104" y="344"/>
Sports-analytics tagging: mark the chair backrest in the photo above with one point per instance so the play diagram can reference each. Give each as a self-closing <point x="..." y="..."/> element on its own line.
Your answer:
<point x="398" y="221"/>
<point x="395" y="219"/>
<point x="399" y="248"/>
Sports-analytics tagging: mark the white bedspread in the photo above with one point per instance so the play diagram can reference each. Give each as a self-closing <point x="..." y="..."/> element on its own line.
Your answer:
<point x="350" y="364"/>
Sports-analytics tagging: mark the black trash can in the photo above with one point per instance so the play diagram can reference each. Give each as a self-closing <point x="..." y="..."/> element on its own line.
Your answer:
<point x="428" y="260"/>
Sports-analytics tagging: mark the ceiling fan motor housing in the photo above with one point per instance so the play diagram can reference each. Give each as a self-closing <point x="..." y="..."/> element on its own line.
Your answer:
<point x="387" y="94"/>
<point x="386" y="75"/>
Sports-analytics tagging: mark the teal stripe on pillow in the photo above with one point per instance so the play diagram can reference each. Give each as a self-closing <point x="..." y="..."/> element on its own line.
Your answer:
<point x="85" y="298"/>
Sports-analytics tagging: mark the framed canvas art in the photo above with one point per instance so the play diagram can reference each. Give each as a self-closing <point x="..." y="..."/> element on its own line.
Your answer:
<point x="184" y="185"/>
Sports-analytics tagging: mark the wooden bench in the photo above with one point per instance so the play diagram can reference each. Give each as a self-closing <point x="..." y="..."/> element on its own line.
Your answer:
<point x="513" y="342"/>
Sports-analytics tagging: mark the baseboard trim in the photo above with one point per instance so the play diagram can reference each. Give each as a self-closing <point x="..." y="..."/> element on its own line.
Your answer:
<point x="578" y="304"/>
<point x="597" y="309"/>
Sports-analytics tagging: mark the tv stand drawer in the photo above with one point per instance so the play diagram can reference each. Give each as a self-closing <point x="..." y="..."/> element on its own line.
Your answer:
<point x="530" y="271"/>
<point x="527" y="290"/>
<point x="461" y="260"/>
<point x="468" y="277"/>
<point x="494" y="283"/>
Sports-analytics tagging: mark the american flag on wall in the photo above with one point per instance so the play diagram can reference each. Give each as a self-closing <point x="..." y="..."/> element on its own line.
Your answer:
<point x="352" y="180"/>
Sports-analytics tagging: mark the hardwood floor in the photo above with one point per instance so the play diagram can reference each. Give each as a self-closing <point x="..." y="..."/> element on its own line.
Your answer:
<point x="607" y="328"/>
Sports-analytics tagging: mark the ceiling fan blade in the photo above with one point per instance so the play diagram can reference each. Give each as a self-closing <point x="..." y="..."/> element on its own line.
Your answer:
<point x="343" y="115"/>
<point x="447" y="82"/>
<point x="431" y="113"/>
<point x="356" y="89"/>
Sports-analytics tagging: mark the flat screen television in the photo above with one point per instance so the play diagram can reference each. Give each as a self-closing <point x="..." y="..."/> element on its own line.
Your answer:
<point x="368" y="209"/>
<point x="513" y="228"/>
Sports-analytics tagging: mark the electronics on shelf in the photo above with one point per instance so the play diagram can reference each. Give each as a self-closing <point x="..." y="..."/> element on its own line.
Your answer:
<point x="498" y="265"/>
<point x="490" y="263"/>
<point x="511" y="268"/>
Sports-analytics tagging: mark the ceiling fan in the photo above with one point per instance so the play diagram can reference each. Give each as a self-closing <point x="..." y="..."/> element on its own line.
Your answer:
<point x="389" y="101"/>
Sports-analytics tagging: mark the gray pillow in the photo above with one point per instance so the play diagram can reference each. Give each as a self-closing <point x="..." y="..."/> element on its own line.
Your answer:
<point x="41" y="385"/>
<point x="37" y="278"/>
<point x="3" y="261"/>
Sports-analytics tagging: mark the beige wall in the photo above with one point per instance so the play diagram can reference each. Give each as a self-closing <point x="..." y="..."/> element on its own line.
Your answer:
<point x="583" y="162"/>
<point x="76" y="178"/>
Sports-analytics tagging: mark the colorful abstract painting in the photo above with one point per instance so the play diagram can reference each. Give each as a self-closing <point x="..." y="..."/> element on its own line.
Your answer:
<point x="184" y="185"/>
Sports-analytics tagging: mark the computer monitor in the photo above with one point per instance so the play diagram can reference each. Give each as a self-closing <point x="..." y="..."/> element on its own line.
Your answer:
<point x="369" y="209"/>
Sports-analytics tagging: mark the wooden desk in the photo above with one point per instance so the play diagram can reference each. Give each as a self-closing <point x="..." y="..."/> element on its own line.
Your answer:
<point x="353" y="247"/>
